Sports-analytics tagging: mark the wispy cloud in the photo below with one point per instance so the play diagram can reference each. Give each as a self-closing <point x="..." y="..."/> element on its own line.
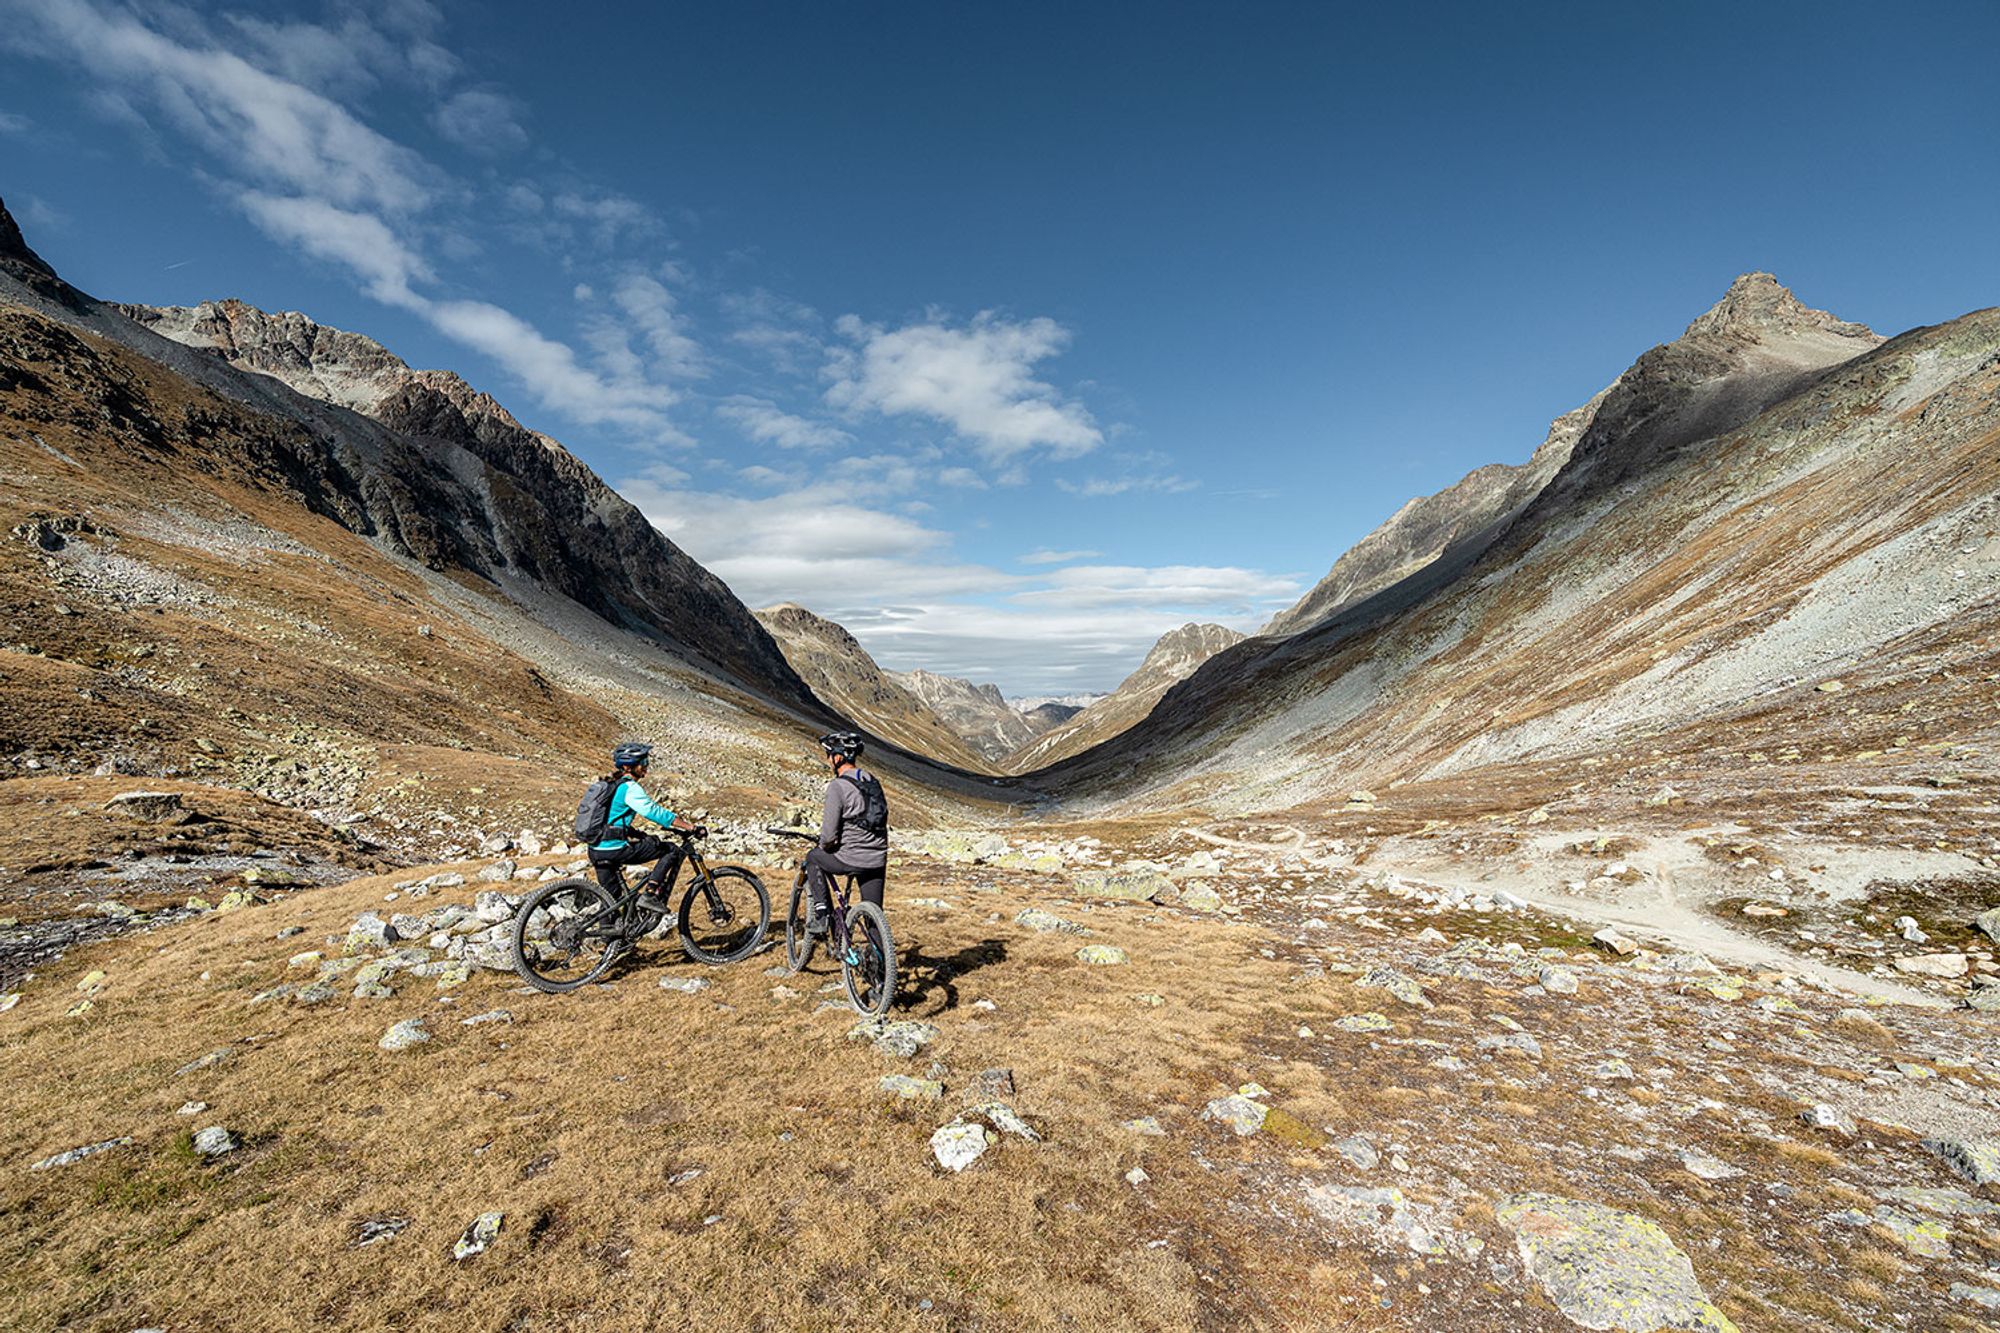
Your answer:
<point x="11" y="123"/>
<point x="1046" y="557"/>
<point x="978" y="380"/>
<point x="485" y="122"/>
<point x="765" y="423"/>
<point x="1098" y="487"/>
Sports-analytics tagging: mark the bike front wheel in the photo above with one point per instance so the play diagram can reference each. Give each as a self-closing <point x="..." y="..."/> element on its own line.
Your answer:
<point x="799" y="941"/>
<point x="724" y="915"/>
<point x="564" y="935"/>
<point x="868" y="961"/>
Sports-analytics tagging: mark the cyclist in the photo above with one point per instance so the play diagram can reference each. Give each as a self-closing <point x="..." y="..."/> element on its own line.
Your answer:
<point x="853" y="831"/>
<point x="621" y="845"/>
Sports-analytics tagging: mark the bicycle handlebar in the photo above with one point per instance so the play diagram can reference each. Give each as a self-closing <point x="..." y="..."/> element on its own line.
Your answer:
<point x="792" y="833"/>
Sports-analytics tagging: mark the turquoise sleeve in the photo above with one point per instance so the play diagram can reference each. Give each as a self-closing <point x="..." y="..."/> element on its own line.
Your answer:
<point x="642" y="804"/>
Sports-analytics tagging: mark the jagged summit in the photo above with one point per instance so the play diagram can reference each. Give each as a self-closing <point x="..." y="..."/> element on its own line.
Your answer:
<point x="1758" y="302"/>
<point x="14" y="246"/>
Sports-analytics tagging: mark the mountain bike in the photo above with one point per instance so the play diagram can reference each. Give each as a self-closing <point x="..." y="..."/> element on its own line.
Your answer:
<point x="569" y="931"/>
<point x="857" y="934"/>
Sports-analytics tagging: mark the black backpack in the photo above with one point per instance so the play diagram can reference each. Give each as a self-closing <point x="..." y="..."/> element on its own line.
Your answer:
<point x="593" y="812"/>
<point x="875" y="812"/>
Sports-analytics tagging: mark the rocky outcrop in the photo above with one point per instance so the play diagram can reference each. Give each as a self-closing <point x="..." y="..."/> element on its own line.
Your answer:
<point x="840" y="671"/>
<point x="979" y="714"/>
<point x="1176" y="655"/>
<point x="466" y="484"/>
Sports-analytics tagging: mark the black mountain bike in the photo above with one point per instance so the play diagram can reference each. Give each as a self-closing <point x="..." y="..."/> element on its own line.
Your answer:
<point x="568" y="932"/>
<point x="857" y="934"/>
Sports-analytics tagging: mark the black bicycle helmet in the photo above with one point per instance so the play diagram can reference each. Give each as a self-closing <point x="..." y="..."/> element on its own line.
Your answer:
<point x="631" y="754"/>
<point x="847" y="744"/>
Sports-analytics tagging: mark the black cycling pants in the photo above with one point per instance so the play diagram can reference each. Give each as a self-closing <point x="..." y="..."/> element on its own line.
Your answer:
<point x="820" y="863"/>
<point x="644" y="848"/>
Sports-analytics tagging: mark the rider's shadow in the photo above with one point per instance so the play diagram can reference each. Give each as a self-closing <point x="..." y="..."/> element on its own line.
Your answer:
<point x="921" y="976"/>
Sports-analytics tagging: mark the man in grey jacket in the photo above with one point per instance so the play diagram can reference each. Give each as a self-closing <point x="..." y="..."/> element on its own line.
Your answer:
<point x="853" y="830"/>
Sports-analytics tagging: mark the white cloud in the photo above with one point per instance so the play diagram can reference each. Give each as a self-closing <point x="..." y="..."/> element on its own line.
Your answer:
<point x="1097" y="487"/>
<point x="1087" y="586"/>
<point x="652" y="310"/>
<point x="360" y="241"/>
<point x="485" y="122"/>
<point x="962" y="478"/>
<point x="1047" y="557"/>
<point x="272" y="129"/>
<point x="892" y="582"/>
<point x="978" y="380"/>
<point x="10" y="123"/>
<point x="765" y="423"/>
<point x="608" y="217"/>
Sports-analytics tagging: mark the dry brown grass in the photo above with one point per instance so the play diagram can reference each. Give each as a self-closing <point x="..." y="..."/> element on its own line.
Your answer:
<point x="816" y="1205"/>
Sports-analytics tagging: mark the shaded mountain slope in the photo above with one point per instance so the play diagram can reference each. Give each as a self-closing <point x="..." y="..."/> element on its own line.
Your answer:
<point x="842" y="674"/>
<point x="1173" y="657"/>
<point x="1772" y="500"/>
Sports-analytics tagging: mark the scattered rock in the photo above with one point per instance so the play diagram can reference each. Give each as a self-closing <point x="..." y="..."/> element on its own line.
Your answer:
<point x="410" y="1032"/>
<point x="192" y="1108"/>
<point x="1146" y="1125"/>
<point x="1977" y="1160"/>
<point x="912" y="1089"/>
<point x="685" y="985"/>
<point x="215" y="1141"/>
<point x="209" y="1061"/>
<point x="1200" y="898"/>
<point x="1607" y="1269"/>
<point x="1610" y="940"/>
<point x="490" y="1016"/>
<point x="1557" y="979"/>
<point x="902" y="1038"/>
<point x="1101" y="955"/>
<point x="1519" y="1043"/>
<point x="478" y="1236"/>
<point x="1034" y="918"/>
<point x="1989" y="922"/>
<point x="1358" y="1151"/>
<point x="993" y="1084"/>
<point x="1369" y="1022"/>
<point x="1399" y="984"/>
<point x="1831" y="686"/>
<point x="1701" y="1164"/>
<point x="1820" y="1115"/>
<point x="958" y="1145"/>
<point x="1238" y="1112"/>
<point x="500" y="870"/>
<point x="156" y="806"/>
<point x="75" y="1155"/>
<point x="1907" y="927"/>
<point x="1932" y="964"/>
<point x="1613" y="1070"/>
<point x="374" y="1230"/>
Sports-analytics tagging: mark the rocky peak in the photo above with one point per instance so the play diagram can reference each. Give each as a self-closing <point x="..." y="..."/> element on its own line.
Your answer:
<point x="14" y="246"/>
<point x="1757" y="303"/>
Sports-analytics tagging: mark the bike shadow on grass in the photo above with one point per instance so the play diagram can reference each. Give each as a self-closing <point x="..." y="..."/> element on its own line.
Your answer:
<point x="925" y="982"/>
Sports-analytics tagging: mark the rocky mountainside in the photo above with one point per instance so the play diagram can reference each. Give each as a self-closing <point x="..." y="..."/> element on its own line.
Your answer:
<point x="841" y="673"/>
<point x="980" y="716"/>
<point x="1173" y="657"/>
<point x="1775" y="500"/>
<point x="1446" y="529"/>
<point x="423" y="619"/>
<point x="533" y="509"/>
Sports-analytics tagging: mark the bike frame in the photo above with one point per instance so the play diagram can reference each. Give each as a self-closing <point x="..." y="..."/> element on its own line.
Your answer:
<point x="687" y="852"/>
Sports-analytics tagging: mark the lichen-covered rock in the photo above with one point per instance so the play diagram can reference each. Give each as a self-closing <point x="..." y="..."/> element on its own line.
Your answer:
<point x="902" y="1038"/>
<point x="1200" y="898"/>
<point x="1607" y="1269"/>
<point x="215" y="1141"/>
<point x="410" y="1032"/>
<point x="155" y="806"/>
<point x="1399" y="984"/>
<point x="478" y="1236"/>
<point x="1989" y="922"/>
<point x="1557" y="979"/>
<point x="1101" y="955"/>
<point x="1241" y="1114"/>
<point x="1034" y="918"/>
<point x="1977" y="1160"/>
<point x="912" y="1089"/>
<point x="958" y="1145"/>
<point x="1821" y="1115"/>
<point x="1135" y="885"/>
<point x="1369" y="1022"/>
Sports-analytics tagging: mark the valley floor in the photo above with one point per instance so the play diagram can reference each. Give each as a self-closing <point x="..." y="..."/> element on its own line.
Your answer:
<point x="1358" y="1087"/>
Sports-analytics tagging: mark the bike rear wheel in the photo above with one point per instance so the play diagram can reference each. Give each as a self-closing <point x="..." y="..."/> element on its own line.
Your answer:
<point x="565" y="934"/>
<point x="724" y="915"/>
<point x="868" y="960"/>
<point x="799" y="941"/>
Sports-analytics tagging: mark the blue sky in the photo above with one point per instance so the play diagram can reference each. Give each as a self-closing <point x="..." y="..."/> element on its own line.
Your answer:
<point x="1011" y="336"/>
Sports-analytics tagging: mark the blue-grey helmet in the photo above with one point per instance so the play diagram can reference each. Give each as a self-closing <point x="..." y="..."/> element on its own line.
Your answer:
<point x="631" y="754"/>
<point x="846" y="744"/>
